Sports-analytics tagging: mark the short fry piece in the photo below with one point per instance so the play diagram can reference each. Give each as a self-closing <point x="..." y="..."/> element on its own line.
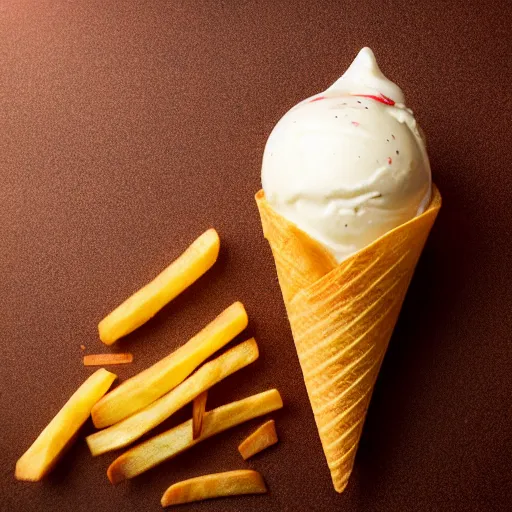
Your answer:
<point x="144" y="388"/>
<point x="198" y="410"/>
<point x="41" y="457"/>
<point x="106" y="359"/>
<point x="130" y="429"/>
<point x="230" y="483"/>
<point x="145" y="303"/>
<point x="261" y="438"/>
<point x="169" y="444"/>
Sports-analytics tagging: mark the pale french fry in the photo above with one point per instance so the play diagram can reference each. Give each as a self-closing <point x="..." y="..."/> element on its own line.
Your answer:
<point x="146" y="302"/>
<point x="198" y="410"/>
<point x="106" y="359"/>
<point x="144" y="388"/>
<point x="132" y="428"/>
<point x="44" y="453"/>
<point x="158" y="449"/>
<point x="261" y="438"/>
<point x="230" y="483"/>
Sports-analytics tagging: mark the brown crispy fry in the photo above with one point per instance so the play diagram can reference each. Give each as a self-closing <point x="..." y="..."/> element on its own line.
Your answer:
<point x="106" y="359"/>
<point x="198" y="410"/>
<point x="230" y="483"/>
<point x="261" y="438"/>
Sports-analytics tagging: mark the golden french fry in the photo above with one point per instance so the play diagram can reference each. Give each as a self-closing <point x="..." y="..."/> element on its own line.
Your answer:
<point x="130" y="429"/>
<point x="106" y="359"/>
<point x="261" y="438"/>
<point x="230" y="483"/>
<point x="146" y="302"/>
<point x="44" y="453"/>
<point x="198" y="410"/>
<point x="146" y="387"/>
<point x="149" y="454"/>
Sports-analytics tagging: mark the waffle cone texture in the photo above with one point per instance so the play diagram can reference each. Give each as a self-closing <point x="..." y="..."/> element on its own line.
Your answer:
<point x="342" y="316"/>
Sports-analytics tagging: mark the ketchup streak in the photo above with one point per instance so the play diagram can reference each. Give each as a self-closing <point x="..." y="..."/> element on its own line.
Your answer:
<point x="381" y="98"/>
<point x="318" y="98"/>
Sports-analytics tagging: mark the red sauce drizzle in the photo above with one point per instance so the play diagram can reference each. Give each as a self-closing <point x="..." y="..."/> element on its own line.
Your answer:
<point x="318" y="98"/>
<point x="381" y="98"/>
<point x="390" y="161"/>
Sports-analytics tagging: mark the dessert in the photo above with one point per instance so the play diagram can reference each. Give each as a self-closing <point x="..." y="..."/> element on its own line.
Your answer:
<point x="348" y="165"/>
<point x="347" y="205"/>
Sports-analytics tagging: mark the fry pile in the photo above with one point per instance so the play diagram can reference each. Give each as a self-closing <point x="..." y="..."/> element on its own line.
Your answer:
<point x="147" y="399"/>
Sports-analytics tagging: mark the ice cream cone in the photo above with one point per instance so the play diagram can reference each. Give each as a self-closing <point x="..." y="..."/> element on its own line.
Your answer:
<point x="342" y="316"/>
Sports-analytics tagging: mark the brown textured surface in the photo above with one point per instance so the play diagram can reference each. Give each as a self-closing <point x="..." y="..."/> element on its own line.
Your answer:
<point x="128" y="128"/>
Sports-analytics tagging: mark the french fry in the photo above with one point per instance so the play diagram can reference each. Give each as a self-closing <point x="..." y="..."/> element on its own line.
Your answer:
<point x="44" y="453"/>
<point x="198" y="410"/>
<point x="230" y="483"/>
<point x="146" y="302"/>
<point x="144" y="388"/>
<point x="130" y="429"/>
<point x="106" y="359"/>
<point x="165" y="446"/>
<point x="261" y="438"/>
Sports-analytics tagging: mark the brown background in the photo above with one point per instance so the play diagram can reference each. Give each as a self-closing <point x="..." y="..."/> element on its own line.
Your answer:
<point x="129" y="127"/>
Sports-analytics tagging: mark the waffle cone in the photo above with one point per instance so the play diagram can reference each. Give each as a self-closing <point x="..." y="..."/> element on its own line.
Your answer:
<point x="342" y="316"/>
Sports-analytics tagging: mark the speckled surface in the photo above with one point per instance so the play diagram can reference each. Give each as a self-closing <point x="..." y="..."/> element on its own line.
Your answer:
<point x="129" y="127"/>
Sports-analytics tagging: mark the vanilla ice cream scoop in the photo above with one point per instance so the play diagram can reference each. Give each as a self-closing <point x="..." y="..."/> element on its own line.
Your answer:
<point x="350" y="164"/>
